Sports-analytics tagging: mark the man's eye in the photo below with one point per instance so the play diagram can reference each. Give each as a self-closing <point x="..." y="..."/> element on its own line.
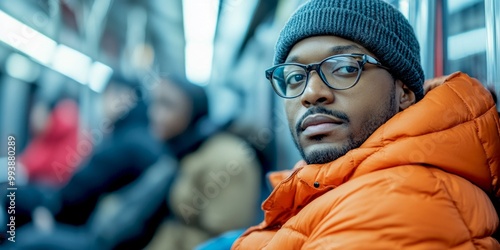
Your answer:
<point x="342" y="67"/>
<point x="345" y="70"/>
<point x="295" y="78"/>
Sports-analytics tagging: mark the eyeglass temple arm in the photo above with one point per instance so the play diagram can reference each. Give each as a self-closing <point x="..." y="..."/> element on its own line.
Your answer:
<point x="374" y="61"/>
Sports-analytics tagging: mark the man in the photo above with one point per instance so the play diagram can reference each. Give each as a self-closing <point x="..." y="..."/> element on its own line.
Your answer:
<point x="385" y="167"/>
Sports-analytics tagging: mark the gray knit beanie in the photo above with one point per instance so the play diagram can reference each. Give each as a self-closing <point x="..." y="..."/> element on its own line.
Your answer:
<point x="374" y="24"/>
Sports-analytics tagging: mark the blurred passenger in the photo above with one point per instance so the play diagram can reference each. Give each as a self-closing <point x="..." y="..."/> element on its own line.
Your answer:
<point x="217" y="187"/>
<point x="385" y="164"/>
<point x="47" y="158"/>
<point x="125" y="149"/>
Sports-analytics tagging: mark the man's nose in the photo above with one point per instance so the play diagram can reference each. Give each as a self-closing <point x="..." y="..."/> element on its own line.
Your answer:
<point x="316" y="92"/>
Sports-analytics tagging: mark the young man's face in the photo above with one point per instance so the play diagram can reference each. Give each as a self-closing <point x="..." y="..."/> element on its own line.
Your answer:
<point x="327" y="123"/>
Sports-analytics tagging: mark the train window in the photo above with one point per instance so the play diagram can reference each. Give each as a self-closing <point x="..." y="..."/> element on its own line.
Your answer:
<point x="465" y="38"/>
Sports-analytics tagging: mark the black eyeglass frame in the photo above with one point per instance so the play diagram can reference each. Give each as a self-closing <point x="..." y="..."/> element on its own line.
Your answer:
<point x="317" y="67"/>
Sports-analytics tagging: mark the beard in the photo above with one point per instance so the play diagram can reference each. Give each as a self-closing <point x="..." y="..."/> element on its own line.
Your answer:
<point x="382" y="115"/>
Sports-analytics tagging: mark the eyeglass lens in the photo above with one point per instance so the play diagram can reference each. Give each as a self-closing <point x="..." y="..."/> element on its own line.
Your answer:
<point x="290" y="80"/>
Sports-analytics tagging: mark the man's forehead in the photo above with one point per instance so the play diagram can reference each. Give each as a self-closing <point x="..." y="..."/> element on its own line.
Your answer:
<point x="326" y="45"/>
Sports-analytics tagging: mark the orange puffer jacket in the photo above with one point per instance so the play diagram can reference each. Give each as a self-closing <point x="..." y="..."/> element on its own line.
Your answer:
<point x="419" y="182"/>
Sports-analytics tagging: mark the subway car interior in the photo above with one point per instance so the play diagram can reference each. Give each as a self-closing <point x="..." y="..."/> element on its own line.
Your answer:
<point x="113" y="113"/>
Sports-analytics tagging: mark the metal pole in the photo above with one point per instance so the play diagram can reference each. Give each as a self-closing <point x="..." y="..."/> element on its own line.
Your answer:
<point x="422" y="17"/>
<point x="91" y="22"/>
<point x="492" y="16"/>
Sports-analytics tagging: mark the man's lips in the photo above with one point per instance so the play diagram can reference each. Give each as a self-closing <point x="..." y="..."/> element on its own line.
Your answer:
<point x="318" y="124"/>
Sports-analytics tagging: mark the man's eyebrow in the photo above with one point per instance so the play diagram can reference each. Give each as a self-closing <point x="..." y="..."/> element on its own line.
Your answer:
<point x="292" y="59"/>
<point x="336" y="50"/>
<point x="346" y="48"/>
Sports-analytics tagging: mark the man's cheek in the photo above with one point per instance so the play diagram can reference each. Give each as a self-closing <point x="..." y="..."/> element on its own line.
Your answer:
<point x="290" y="118"/>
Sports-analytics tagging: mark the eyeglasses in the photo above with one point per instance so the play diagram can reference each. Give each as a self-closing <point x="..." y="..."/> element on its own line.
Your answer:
<point x="339" y="72"/>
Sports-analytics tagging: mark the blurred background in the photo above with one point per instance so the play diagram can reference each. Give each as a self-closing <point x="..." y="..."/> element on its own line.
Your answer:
<point x="52" y="51"/>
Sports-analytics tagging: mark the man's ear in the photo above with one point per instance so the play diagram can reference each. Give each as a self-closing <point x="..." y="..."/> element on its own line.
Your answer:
<point x="404" y="95"/>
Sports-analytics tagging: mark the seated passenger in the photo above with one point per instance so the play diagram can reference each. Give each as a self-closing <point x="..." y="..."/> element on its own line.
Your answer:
<point x="49" y="159"/>
<point x="124" y="149"/>
<point x="385" y="164"/>
<point x="217" y="187"/>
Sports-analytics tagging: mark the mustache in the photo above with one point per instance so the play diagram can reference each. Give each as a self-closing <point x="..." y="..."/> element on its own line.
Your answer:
<point x="320" y="110"/>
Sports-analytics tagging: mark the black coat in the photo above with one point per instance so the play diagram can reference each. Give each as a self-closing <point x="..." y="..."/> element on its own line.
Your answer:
<point x="118" y="160"/>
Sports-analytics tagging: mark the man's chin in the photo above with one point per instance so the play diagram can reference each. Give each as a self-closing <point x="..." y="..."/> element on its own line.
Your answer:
<point x="324" y="153"/>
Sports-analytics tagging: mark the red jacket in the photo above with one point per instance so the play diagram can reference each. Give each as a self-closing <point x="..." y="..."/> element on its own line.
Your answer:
<point x="53" y="156"/>
<point x="419" y="182"/>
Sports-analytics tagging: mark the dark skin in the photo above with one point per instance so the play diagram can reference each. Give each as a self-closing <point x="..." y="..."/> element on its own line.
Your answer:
<point x="327" y="123"/>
